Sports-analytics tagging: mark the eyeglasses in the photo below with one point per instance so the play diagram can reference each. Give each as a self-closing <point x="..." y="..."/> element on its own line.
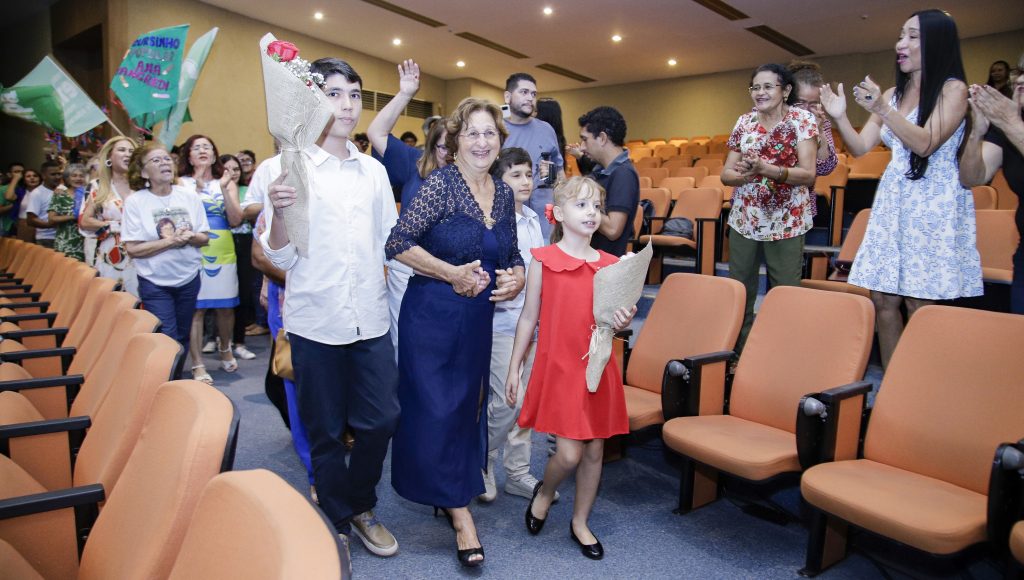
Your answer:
<point x="806" y="104"/>
<point x="767" y="87"/>
<point x="201" y="148"/>
<point x="474" y="135"/>
<point x="160" y="160"/>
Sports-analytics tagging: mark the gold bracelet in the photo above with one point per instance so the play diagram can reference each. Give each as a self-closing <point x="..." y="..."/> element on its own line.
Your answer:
<point x="784" y="176"/>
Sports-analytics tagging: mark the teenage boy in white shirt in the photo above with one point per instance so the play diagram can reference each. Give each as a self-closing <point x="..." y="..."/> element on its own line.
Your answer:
<point x="336" y="310"/>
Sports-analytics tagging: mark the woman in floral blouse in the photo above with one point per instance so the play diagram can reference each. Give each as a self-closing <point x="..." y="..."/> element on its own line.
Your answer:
<point x="772" y="153"/>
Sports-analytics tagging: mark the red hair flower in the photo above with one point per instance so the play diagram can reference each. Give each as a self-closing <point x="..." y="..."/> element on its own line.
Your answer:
<point x="549" y="212"/>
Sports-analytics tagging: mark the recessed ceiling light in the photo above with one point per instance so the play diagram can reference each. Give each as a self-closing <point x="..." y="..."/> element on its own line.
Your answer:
<point x="548" y="11"/>
<point x="397" y="42"/>
<point x="461" y="64"/>
<point x="616" y="38"/>
<point x="672" y="62"/>
<point x="318" y="15"/>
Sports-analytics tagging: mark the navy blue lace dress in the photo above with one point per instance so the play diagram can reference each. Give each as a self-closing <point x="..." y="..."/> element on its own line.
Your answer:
<point x="444" y="341"/>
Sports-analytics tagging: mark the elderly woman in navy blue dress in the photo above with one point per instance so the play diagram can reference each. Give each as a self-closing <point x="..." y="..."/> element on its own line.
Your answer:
<point x="459" y="236"/>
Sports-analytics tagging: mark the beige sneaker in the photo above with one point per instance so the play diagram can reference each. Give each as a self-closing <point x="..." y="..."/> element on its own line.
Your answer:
<point x="374" y="535"/>
<point x="490" y="487"/>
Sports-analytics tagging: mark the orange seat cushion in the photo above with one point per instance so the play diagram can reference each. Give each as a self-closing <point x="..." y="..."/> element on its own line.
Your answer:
<point x="13" y="372"/>
<point x="996" y="274"/>
<point x="750" y="450"/>
<point x="926" y="513"/>
<point x="1017" y="542"/>
<point x="835" y="286"/>
<point x="643" y="408"/>
<point x="14" y="565"/>
<point x="9" y="327"/>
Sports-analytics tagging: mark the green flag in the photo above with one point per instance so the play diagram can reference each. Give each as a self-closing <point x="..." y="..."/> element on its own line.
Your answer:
<point x="190" y="69"/>
<point x="147" y="80"/>
<point x="50" y="97"/>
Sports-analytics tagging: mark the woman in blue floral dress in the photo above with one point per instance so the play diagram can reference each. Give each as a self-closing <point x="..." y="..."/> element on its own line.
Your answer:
<point x="919" y="246"/>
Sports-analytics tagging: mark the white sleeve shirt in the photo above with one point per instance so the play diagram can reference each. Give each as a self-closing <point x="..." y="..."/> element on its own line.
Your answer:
<point x="337" y="295"/>
<point x="529" y="236"/>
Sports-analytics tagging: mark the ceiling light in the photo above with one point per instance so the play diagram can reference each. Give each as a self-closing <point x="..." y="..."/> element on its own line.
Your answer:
<point x="547" y="11"/>
<point x="672" y="62"/>
<point x="318" y="15"/>
<point x="461" y="64"/>
<point x="616" y="38"/>
<point x="397" y="42"/>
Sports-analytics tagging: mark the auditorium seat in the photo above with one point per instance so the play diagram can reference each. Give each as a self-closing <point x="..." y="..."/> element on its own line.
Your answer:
<point x="1007" y="199"/>
<point x="694" y="321"/>
<point x="675" y="185"/>
<point x="653" y="144"/>
<point x="1017" y="542"/>
<point x="188" y="437"/>
<point x="714" y="165"/>
<point x="661" y="199"/>
<point x="836" y="281"/>
<point x="833" y="188"/>
<point x="803" y="341"/>
<point x="666" y="151"/>
<point x="701" y="206"/>
<point x="694" y="148"/>
<point x="997" y="240"/>
<point x="645" y="182"/>
<point x="677" y="161"/>
<point x="150" y="360"/>
<point x="639" y="153"/>
<point x="932" y="453"/>
<point x="655" y="173"/>
<point x="871" y="165"/>
<point x="647" y="162"/>
<point x="984" y="197"/>
<point x="716" y="181"/>
<point x="253" y="525"/>
<point x="697" y="173"/>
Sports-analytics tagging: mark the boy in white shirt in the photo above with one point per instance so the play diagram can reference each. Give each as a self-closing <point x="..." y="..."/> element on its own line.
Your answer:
<point x="515" y="167"/>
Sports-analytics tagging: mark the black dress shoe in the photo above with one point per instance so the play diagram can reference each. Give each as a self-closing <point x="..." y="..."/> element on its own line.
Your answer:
<point x="593" y="551"/>
<point x="465" y="556"/>
<point x="534" y="524"/>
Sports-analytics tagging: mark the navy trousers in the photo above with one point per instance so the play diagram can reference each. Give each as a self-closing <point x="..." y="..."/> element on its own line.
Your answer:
<point x="173" y="305"/>
<point x="354" y="385"/>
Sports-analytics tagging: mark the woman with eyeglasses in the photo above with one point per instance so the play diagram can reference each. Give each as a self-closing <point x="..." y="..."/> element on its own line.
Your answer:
<point x="459" y="235"/>
<point x="997" y="140"/>
<point x="164" y="227"/>
<point x="919" y="245"/>
<point x="771" y="164"/>
<point x="203" y="173"/>
<point x="407" y="167"/>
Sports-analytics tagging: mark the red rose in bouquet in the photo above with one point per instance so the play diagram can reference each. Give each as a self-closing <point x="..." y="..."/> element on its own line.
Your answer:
<point x="282" y="51"/>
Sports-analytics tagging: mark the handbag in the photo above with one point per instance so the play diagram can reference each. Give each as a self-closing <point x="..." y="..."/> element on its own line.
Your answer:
<point x="281" y="364"/>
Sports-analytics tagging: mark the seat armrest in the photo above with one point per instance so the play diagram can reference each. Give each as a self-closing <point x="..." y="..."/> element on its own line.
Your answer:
<point x="84" y="500"/>
<point x="621" y="348"/>
<point x="695" y="385"/>
<point x="828" y="424"/>
<point x="18" y="286"/>
<point x="8" y="432"/>
<point x="58" y="333"/>
<point x="42" y="306"/>
<point x="1005" y="493"/>
<point x="42" y="383"/>
<point x="704" y="235"/>
<point x="13" y="296"/>
<point x="16" y="318"/>
<point x="65" y="353"/>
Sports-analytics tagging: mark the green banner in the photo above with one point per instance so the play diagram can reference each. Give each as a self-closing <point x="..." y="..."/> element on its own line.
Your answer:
<point x="190" y="69"/>
<point x="49" y="97"/>
<point x="147" y="80"/>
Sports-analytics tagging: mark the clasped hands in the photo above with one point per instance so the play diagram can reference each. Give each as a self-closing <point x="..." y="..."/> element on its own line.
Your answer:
<point x="750" y="166"/>
<point x="990" y="107"/>
<point x="471" y="279"/>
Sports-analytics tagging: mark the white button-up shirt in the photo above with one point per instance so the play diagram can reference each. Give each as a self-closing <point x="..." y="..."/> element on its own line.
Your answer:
<point x="529" y="236"/>
<point x="337" y="295"/>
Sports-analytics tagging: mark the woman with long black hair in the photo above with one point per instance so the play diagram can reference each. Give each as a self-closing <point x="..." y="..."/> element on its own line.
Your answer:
<point x="919" y="246"/>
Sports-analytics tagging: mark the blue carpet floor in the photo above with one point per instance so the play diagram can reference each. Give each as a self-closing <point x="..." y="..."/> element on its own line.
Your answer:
<point x="632" y="517"/>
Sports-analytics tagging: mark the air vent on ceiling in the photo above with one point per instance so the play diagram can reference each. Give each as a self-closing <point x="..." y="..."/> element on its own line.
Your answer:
<point x="777" y="38"/>
<point x="375" y="101"/>
<point x="405" y="12"/>
<point x="491" y="44"/>
<point x="723" y="9"/>
<point x="552" y="68"/>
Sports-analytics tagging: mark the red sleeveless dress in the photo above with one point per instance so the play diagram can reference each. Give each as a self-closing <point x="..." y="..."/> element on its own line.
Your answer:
<point x="557" y="400"/>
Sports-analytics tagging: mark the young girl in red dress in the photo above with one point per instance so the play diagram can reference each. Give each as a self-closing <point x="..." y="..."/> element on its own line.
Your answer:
<point x="560" y="292"/>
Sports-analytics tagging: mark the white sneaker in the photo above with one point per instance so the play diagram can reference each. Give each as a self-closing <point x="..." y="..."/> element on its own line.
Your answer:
<point x="523" y="486"/>
<point x="244" y="353"/>
<point x="490" y="486"/>
<point x="210" y="347"/>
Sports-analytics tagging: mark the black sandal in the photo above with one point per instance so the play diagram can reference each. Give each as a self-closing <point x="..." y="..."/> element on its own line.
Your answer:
<point x="464" y="556"/>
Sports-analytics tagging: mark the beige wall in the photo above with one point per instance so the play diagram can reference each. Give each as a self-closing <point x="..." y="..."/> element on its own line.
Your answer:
<point x="710" y="104"/>
<point x="228" y="103"/>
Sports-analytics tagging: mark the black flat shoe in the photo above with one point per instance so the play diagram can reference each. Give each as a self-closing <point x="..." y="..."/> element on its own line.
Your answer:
<point x="463" y="555"/>
<point x="534" y="524"/>
<point x="593" y="551"/>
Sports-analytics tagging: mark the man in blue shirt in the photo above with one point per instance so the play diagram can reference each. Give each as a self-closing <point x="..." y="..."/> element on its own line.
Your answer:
<point x="602" y="135"/>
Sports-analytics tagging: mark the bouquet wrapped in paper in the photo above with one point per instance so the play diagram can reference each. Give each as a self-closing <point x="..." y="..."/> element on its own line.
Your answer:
<point x="616" y="286"/>
<point x="297" y="112"/>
